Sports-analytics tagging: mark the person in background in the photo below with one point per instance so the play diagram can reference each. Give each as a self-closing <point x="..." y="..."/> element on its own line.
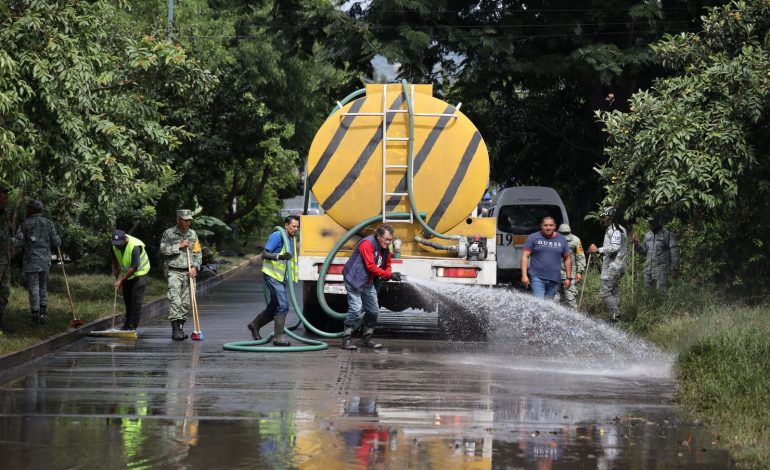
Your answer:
<point x="7" y="252"/>
<point x="613" y="251"/>
<point x="570" y="295"/>
<point x="37" y="235"/>
<point x="541" y="261"/>
<point x="662" y="255"/>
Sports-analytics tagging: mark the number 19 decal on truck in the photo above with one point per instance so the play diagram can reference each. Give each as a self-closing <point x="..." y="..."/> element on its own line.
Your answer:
<point x="399" y="156"/>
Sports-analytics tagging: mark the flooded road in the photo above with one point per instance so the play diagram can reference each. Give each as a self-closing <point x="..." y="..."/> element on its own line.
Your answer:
<point x="419" y="402"/>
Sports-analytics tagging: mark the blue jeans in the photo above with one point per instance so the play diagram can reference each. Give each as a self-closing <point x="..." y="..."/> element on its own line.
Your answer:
<point x="279" y="303"/>
<point x="360" y="301"/>
<point x="543" y="288"/>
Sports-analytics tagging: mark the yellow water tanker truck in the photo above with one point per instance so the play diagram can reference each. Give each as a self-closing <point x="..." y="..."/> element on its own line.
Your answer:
<point x="394" y="154"/>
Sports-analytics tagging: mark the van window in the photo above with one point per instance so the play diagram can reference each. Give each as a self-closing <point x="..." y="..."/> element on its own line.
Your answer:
<point x="525" y="219"/>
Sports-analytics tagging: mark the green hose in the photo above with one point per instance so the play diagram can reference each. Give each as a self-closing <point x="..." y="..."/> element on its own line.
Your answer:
<point x="312" y="345"/>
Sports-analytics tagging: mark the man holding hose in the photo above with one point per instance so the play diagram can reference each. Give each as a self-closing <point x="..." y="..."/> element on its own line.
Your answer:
<point x="275" y="258"/>
<point x="174" y="246"/>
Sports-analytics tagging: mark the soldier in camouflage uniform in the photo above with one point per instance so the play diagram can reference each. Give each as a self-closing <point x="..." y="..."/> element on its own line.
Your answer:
<point x="174" y="246"/>
<point x="614" y="249"/>
<point x="662" y="255"/>
<point x="37" y="235"/>
<point x="569" y="296"/>
<point x="5" y="255"/>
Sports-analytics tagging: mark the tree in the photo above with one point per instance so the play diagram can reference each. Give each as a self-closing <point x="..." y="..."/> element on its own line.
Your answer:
<point x="530" y="75"/>
<point x="695" y="145"/>
<point x="82" y="110"/>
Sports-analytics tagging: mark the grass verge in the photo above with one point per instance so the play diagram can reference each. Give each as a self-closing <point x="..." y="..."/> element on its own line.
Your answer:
<point x="92" y="295"/>
<point x="723" y="357"/>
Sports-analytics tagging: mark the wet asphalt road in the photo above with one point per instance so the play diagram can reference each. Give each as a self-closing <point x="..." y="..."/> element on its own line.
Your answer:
<point x="420" y="402"/>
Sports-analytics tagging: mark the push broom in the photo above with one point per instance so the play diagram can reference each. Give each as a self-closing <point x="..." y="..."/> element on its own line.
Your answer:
<point x="75" y="322"/>
<point x="197" y="334"/>
<point x="114" y="332"/>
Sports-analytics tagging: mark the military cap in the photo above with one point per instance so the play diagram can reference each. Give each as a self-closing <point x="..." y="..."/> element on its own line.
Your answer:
<point x="184" y="214"/>
<point x="35" y="204"/>
<point x="608" y="211"/>
<point x="118" y="237"/>
<point x="565" y="229"/>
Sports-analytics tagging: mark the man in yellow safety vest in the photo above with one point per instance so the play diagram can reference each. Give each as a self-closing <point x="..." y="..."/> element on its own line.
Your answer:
<point x="275" y="258"/>
<point x="130" y="266"/>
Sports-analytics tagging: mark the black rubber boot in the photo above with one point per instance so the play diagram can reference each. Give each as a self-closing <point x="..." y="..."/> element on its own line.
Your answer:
<point x="278" y="337"/>
<point x="43" y="314"/>
<point x="347" y="340"/>
<point x="177" y="333"/>
<point x="368" y="341"/>
<point x="259" y="321"/>
<point x="36" y="317"/>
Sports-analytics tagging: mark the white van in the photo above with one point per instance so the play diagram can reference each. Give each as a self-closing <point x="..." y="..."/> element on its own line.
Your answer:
<point x="519" y="211"/>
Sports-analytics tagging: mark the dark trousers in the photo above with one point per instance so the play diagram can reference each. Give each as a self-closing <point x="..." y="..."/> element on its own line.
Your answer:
<point x="133" y="296"/>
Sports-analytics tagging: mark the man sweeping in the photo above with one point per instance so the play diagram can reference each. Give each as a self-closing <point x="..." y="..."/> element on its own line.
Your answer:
<point x="174" y="245"/>
<point x="130" y="265"/>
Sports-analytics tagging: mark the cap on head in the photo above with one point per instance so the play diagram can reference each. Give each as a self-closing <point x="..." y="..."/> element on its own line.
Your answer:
<point x="35" y="204"/>
<point x="184" y="214"/>
<point x="565" y="229"/>
<point x="118" y="237"/>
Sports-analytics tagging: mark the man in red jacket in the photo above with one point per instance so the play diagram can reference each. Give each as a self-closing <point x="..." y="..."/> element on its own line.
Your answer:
<point x="370" y="260"/>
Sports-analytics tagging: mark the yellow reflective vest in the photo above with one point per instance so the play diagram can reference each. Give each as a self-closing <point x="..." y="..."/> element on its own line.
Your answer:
<point x="277" y="269"/>
<point x="124" y="258"/>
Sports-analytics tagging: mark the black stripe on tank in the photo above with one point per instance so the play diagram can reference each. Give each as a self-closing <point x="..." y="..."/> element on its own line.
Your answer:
<point x="326" y="156"/>
<point x="458" y="178"/>
<point x="421" y="156"/>
<point x="363" y="159"/>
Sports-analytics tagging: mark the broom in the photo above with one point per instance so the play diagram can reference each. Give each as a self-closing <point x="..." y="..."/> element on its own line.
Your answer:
<point x="75" y="322"/>
<point x="113" y="332"/>
<point x="197" y="334"/>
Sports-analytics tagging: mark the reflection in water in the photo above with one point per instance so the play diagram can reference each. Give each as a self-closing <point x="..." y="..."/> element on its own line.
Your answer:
<point x="418" y="403"/>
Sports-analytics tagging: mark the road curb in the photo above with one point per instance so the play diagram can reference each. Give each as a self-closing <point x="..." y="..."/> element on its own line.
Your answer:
<point x="150" y="311"/>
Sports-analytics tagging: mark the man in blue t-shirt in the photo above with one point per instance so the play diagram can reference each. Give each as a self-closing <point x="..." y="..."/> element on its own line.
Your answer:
<point x="541" y="260"/>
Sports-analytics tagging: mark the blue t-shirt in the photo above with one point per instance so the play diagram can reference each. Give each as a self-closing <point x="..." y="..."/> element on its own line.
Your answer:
<point x="546" y="255"/>
<point x="275" y="243"/>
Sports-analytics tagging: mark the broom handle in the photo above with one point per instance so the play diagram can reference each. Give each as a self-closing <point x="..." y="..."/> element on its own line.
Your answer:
<point x="192" y="290"/>
<point x="66" y="282"/>
<point x="195" y="302"/>
<point x="585" y="276"/>
<point x="114" y="308"/>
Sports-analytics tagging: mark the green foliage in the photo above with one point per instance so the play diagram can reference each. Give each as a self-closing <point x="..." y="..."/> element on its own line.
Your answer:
<point x="82" y="110"/>
<point x="724" y="377"/>
<point x="696" y="143"/>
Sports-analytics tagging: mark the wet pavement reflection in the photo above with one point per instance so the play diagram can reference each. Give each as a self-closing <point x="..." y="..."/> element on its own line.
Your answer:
<point x="420" y="402"/>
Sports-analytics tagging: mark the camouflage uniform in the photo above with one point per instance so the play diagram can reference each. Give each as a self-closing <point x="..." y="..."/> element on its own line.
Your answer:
<point x="614" y="249"/>
<point x="5" y="261"/>
<point x="175" y="260"/>
<point x="37" y="235"/>
<point x="570" y="296"/>
<point x="662" y="255"/>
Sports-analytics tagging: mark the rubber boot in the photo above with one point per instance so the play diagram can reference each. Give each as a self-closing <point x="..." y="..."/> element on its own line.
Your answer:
<point x="177" y="333"/>
<point x="259" y="321"/>
<point x="36" y="317"/>
<point x="347" y="340"/>
<point x="278" y="337"/>
<point x="368" y="341"/>
<point x="43" y="314"/>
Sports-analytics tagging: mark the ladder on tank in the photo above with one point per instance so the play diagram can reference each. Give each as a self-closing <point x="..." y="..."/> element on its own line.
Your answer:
<point x="385" y="139"/>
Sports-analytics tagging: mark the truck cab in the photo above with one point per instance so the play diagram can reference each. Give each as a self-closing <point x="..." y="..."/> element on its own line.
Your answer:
<point x="519" y="211"/>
